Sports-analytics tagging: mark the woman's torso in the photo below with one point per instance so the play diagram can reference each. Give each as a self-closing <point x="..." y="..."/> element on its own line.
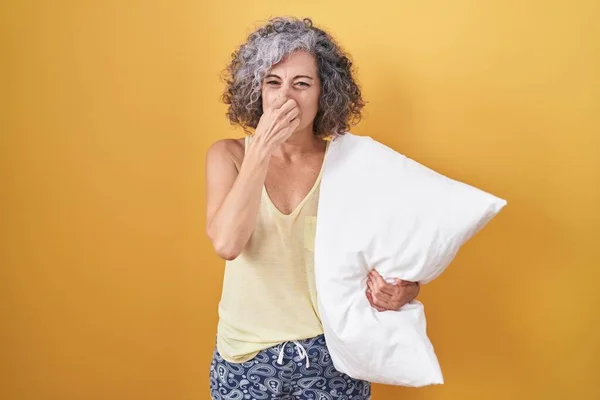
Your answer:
<point x="269" y="293"/>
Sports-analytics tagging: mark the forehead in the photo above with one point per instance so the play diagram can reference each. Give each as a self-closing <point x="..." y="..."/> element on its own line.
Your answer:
<point x="300" y="62"/>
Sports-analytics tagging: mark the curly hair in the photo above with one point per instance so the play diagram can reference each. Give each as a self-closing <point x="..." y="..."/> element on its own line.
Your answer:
<point x="340" y="101"/>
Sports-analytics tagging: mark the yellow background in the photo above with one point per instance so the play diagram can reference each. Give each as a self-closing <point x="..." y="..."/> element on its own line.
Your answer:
<point x="109" y="286"/>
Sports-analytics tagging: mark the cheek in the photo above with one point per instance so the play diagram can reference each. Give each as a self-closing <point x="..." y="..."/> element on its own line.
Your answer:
<point x="310" y="104"/>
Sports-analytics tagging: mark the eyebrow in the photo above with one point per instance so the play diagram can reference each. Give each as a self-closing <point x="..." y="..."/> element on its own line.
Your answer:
<point x="296" y="77"/>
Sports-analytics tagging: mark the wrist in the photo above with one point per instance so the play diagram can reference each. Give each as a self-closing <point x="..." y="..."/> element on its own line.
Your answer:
<point x="260" y="149"/>
<point x="258" y="152"/>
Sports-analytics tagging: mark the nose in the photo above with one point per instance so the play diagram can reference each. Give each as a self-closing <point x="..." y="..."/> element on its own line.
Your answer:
<point x="285" y="90"/>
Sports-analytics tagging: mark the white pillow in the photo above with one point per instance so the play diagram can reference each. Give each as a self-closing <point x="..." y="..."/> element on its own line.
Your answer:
<point x="379" y="209"/>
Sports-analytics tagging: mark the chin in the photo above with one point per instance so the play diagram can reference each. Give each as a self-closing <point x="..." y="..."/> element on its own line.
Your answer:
<point x="303" y="127"/>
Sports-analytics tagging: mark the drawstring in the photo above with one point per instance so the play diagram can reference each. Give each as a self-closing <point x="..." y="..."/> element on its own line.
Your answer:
<point x="301" y="350"/>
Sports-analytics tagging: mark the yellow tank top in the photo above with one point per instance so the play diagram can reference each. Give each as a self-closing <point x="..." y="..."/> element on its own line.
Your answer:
<point x="269" y="293"/>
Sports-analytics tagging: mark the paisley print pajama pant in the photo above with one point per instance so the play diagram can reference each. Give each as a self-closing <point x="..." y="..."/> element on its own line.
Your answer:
<point x="296" y="370"/>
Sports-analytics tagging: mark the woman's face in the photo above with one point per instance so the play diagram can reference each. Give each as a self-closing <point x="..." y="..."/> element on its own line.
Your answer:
<point x="295" y="77"/>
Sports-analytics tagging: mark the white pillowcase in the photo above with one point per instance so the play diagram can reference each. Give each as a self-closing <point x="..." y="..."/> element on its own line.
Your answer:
<point x="379" y="209"/>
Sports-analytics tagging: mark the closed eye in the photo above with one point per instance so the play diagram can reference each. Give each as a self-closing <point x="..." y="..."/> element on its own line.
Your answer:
<point x="304" y="84"/>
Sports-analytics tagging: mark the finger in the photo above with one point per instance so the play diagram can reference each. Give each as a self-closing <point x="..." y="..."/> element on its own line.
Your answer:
<point x="278" y="102"/>
<point x="382" y="285"/>
<point x="370" y="285"/>
<point x="381" y="301"/>
<point x="382" y="295"/>
<point x="379" y="305"/>
<point x="284" y="119"/>
<point x="286" y="106"/>
<point x="370" y="298"/>
<point x="292" y="113"/>
<point x="294" y="124"/>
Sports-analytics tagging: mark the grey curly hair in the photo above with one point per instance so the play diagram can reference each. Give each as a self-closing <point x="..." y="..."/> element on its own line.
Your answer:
<point x="340" y="102"/>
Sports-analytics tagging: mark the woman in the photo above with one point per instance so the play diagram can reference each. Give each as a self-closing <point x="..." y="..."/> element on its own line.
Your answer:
<point x="293" y="86"/>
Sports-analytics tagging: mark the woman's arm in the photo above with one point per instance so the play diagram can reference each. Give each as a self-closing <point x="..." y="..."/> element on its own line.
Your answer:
<point x="233" y="197"/>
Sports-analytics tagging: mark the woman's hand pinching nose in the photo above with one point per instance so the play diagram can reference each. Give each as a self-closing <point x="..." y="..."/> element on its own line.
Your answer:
<point x="278" y="102"/>
<point x="278" y="122"/>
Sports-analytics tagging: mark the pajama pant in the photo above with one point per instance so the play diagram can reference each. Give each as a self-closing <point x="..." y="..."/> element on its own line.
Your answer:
<point x="295" y="370"/>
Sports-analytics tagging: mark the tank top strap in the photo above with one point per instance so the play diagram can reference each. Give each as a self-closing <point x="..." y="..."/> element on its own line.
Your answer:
<point x="247" y="141"/>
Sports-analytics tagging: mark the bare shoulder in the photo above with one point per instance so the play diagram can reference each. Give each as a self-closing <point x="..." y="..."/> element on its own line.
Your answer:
<point x="226" y="149"/>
